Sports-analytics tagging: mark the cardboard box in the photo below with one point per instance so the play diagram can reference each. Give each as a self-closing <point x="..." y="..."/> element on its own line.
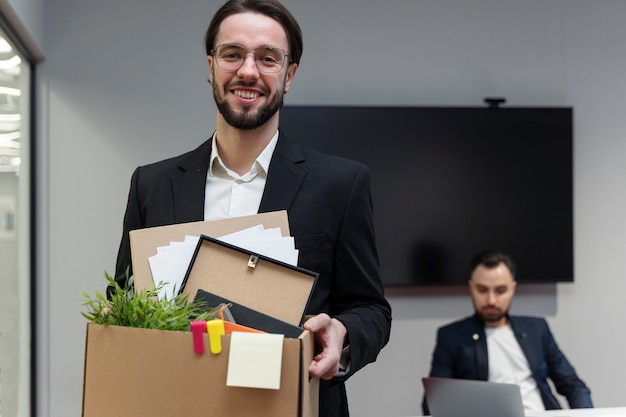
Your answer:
<point x="131" y="372"/>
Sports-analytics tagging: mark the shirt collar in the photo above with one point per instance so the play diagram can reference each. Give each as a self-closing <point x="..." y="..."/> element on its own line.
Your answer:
<point x="261" y="163"/>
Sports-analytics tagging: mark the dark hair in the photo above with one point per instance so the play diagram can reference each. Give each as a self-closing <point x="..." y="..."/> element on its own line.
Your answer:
<point x="491" y="259"/>
<point x="269" y="8"/>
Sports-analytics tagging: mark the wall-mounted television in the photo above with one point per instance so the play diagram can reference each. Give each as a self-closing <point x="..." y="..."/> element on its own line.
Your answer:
<point x="448" y="182"/>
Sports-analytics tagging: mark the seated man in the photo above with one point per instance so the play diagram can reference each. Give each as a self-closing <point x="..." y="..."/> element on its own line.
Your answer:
<point x="493" y="346"/>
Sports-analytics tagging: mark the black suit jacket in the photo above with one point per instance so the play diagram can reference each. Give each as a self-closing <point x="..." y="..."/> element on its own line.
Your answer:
<point x="329" y="206"/>
<point x="461" y="352"/>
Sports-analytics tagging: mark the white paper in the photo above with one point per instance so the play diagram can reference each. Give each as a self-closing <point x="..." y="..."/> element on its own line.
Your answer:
<point x="169" y="266"/>
<point x="266" y="242"/>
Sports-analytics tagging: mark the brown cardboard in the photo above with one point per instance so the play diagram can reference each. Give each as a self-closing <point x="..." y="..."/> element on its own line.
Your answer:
<point x="279" y="290"/>
<point x="131" y="372"/>
<point x="144" y="242"/>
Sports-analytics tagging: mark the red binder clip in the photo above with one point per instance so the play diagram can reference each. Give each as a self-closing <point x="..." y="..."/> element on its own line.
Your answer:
<point x="197" y="329"/>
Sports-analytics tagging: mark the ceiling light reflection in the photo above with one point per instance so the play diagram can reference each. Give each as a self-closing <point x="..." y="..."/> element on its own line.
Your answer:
<point x="4" y="45"/>
<point x="12" y="62"/>
<point x="10" y="97"/>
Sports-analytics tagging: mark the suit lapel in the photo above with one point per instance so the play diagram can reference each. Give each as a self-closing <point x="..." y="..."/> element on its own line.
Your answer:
<point x="480" y="350"/>
<point x="525" y="344"/>
<point x="286" y="173"/>
<point x="188" y="187"/>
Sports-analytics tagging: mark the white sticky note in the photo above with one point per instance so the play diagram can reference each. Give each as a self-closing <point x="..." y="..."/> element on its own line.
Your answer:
<point x="255" y="360"/>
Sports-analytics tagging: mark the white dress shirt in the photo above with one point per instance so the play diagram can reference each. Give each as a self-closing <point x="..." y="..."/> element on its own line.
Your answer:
<point x="228" y="194"/>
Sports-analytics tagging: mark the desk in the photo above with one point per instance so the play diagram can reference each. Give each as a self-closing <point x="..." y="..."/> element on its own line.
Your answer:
<point x="585" y="412"/>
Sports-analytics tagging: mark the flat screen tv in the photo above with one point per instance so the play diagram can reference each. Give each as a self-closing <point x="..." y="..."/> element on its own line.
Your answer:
<point x="448" y="182"/>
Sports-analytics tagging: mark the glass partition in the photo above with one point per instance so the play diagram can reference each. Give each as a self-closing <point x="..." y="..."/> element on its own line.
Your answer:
<point x="15" y="281"/>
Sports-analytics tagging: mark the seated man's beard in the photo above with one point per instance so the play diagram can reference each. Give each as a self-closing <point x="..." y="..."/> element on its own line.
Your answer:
<point x="245" y="120"/>
<point x="493" y="318"/>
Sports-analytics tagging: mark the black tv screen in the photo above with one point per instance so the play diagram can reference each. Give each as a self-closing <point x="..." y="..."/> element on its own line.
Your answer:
<point x="448" y="182"/>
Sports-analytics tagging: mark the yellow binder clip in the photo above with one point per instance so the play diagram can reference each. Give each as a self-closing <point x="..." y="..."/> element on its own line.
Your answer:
<point x="215" y="328"/>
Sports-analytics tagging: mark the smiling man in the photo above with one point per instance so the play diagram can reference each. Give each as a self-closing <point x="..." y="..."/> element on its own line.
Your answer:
<point x="494" y="346"/>
<point x="247" y="166"/>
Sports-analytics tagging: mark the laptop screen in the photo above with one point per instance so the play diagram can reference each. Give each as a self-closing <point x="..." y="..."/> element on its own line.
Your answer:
<point x="448" y="397"/>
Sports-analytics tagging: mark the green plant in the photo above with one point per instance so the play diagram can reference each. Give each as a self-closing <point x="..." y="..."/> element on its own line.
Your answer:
<point x="143" y="308"/>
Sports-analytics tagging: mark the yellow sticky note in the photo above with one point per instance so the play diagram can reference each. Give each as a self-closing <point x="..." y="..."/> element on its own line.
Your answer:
<point x="255" y="360"/>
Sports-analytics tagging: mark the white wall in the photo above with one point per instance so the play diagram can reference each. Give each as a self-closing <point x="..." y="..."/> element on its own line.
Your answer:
<point x="124" y="83"/>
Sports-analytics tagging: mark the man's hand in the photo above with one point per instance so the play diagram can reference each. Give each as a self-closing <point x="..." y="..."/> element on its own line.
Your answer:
<point x="329" y="335"/>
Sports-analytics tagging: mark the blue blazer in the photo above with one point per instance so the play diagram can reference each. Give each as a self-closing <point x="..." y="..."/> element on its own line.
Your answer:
<point x="461" y="352"/>
<point x="329" y="206"/>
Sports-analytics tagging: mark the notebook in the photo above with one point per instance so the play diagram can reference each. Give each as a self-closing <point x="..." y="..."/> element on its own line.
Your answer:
<point x="448" y="397"/>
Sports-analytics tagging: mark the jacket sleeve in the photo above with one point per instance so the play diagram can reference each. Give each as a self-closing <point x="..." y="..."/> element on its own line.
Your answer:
<point x="442" y="363"/>
<point x="132" y="220"/>
<point x="357" y="295"/>
<point x="564" y="377"/>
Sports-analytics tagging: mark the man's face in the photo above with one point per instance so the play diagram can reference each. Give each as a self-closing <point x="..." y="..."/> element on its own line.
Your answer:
<point x="492" y="291"/>
<point x="247" y="98"/>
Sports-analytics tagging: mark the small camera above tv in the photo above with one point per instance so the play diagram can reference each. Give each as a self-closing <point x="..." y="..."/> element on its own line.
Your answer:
<point x="448" y="182"/>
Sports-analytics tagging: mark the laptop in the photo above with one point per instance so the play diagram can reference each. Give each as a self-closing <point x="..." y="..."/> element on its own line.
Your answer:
<point x="448" y="397"/>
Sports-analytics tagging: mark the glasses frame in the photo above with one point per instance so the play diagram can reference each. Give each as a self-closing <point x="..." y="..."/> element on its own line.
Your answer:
<point x="246" y="52"/>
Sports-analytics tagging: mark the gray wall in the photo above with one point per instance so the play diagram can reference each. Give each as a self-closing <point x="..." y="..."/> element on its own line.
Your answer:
<point x="30" y="14"/>
<point x="10" y="304"/>
<point x="124" y="83"/>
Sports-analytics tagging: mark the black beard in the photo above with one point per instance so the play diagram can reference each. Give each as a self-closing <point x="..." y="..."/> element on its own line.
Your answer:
<point x="245" y="120"/>
<point x="492" y="319"/>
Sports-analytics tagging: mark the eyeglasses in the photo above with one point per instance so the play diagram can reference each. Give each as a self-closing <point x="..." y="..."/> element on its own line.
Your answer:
<point x="231" y="57"/>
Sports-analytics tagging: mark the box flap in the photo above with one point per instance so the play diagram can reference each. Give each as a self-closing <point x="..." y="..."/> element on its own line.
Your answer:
<point x="144" y="242"/>
<point x="309" y="394"/>
<point x="271" y="287"/>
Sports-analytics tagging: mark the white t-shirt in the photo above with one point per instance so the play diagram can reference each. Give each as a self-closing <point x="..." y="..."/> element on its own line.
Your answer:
<point x="508" y="364"/>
